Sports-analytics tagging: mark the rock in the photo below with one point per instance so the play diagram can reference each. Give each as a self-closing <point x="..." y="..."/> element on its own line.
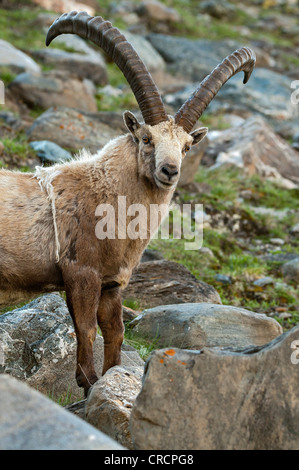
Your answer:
<point x="30" y="421"/>
<point x="223" y="279"/>
<point x="247" y="146"/>
<point x="218" y="10"/>
<point x="38" y="344"/>
<point x="90" y="66"/>
<point x="16" y="60"/>
<point x="295" y="229"/>
<point x="37" y="333"/>
<point x="290" y="270"/>
<point x="220" y="400"/>
<point x="151" y="255"/>
<point x="50" y="152"/>
<point x="72" y="129"/>
<point x="164" y="282"/>
<point x="279" y="257"/>
<point x="53" y="88"/>
<point x="194" y="326"/>
<point x="277" y="241"/>
<point x="179" y="55"/>
<point x="62" y="6"/>
<point x="129" y="314"/>
<point x="110" y="401"/>
<point x="264" y="281"/>
<point x="149" y="55"/>
<point x="154" y="10"/>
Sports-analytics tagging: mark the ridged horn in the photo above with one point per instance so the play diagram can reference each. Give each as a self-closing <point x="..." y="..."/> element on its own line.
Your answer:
<point x="115" y="45"/>
<point x="242" y="60"/>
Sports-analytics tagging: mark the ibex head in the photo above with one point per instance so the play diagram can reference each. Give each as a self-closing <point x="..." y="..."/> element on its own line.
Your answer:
<point x="163" y="141"/>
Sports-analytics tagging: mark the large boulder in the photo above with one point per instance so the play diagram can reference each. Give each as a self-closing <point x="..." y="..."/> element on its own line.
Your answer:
<point x="194" y="326"/>
<point x="164" y="282"/>
<point x="192" y="59"/>
<point x="75" y="129"/>
<point x="54" y="88"/>
<point x="30" y="421"/>
<point x="16" y="60"/>
<point x="253" y="145"/>
<point x="217" y="399"/>
<point x="91" y="66"/>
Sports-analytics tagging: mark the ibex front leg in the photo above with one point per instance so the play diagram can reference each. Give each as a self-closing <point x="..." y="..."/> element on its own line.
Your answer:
<point x="83" y="290"/>
<point x="112" y="327"/>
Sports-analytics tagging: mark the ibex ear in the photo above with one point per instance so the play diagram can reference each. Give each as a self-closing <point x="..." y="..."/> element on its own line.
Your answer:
<point x="199" y="134"/>
<point x="131" y="122"/>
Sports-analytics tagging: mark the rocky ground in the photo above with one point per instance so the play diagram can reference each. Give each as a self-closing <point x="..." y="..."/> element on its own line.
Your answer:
<point x="245" y="173"/>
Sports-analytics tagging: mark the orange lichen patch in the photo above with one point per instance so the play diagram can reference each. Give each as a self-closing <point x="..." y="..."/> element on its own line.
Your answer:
<point x="169" y="352"/>
<point x="162" y="361"/>
<point x="182" y="362"/>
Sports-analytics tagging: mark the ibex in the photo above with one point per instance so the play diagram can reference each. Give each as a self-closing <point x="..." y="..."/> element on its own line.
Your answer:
<point x="47" y="219"/>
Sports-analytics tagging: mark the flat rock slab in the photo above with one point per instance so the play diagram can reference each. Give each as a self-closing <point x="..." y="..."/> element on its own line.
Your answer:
<point x="30" y="421"/>
<point x="164" y="282"/>
<point x="213" y="399"/>
<point x="194" y="326"/>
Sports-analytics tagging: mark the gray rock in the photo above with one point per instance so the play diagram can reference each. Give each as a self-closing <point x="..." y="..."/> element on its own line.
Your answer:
<point x="91" y="66"/>
<point x="295" y="229"/>
<point x="150" y="56"/>
<point x="38" y="345"/>
<point x="223" y="278"/>
<point x="154" y="10"/>
<point x="218" y="10"/>
<point x="247" y="146"/>
<point x="30" y="421"/>
<point x="39" y="332"/>
<point x="74" y="129"/>
<point x="264" y="281"/>
<point x="194" y="326"/>
<point x="220" y="400"/>
<point x="110" y="401"/>
<point x="290" y="270"/>
<point x="16" y="60"/>
<point x="179" y="54"/>
<point x="53" y="88"/>
<point x="50" y="152"/>
<point x="164" y="282"/>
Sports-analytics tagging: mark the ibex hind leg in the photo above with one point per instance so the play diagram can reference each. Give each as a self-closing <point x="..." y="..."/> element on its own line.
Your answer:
<point x="83" y="288"/>
<point x="111" y="323"/>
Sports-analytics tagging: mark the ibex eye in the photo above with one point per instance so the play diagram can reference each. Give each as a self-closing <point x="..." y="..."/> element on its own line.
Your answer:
<point x="187" y="148"/>
<point x="145" y="139"/>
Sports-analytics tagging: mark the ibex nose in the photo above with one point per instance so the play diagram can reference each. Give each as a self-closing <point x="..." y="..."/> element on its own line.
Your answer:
<point x="169" y="170"/>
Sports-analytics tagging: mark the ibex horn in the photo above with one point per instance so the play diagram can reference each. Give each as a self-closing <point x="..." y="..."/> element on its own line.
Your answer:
<point x="242" y="60"/>
<point x="115" y="45"/>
